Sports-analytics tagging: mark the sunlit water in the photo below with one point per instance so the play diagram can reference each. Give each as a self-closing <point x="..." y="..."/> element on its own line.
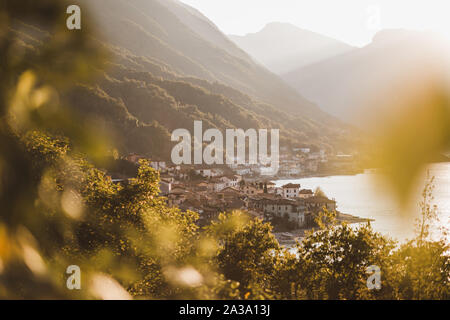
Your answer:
<point x="359" y="195"/>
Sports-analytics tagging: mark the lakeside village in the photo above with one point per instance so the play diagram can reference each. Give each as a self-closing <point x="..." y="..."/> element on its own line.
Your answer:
<point x="210" y="190"/>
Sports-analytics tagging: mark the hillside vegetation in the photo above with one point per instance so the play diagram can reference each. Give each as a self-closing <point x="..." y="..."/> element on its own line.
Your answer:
<point x="162" y="75"/>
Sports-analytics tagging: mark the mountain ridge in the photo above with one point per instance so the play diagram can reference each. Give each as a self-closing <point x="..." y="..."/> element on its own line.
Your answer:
<point x="282" y="47"/>
<point x="346" y="85"/>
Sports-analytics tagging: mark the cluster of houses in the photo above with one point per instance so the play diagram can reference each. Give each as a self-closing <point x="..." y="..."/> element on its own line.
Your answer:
<point x="293" y="163"/>
<point x="298" y="206"/>
<point x="217" y="192"/>
<point x="212" y="190"/>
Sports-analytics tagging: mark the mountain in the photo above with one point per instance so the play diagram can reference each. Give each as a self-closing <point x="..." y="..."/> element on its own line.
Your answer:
<point x="164" y="31"/>
<point x="204" y="27"/>
<point x="283" y="47"/>
<point x="353" y="85"/>
<point x="168" y="65"/>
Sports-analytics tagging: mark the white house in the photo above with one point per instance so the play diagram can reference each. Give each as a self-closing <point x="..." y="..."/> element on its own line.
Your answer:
<point x="219" y="185"/>
<point x="285" y="208"/>
<point x="291" y="190"/>
<point x="233" y="181"/>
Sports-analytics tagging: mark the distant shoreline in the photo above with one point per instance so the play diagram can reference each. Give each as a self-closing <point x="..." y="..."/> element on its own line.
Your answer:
<point x="324" y="175"/>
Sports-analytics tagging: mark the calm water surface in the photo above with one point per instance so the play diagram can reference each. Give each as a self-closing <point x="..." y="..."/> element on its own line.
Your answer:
<point x="360" y="195"/>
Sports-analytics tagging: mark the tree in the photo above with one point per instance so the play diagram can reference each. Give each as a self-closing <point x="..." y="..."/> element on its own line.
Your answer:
<point x="319" y="193"/>
<point x="335" y="259"/>
<point x="245" y="252"/>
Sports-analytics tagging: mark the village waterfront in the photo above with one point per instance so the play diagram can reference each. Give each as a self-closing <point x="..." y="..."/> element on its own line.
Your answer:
<point x="292" y="204"/>
<point x="359" y="195"/>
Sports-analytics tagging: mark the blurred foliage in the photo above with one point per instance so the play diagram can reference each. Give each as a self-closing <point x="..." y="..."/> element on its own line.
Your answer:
<point x="412" y="133"/>
<point x="58" y="209"/>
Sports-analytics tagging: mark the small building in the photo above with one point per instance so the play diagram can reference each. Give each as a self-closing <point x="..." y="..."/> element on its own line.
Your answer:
<point x="270" y="185"/>
<point x="201" y="186"/>
<point x="250" y="190"/>
<point x="165" y="186"/>
<point x="291" y="190"/>
<point x="234" y="180"/>
<point x="283" y="208"/>
<point x="305" y="193"/>
<point x="217" y="184"/>
<point x="229" y="192"/>
<point x="317" y="203"/>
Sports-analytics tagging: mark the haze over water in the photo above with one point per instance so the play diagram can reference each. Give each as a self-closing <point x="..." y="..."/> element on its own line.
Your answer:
<point x="359" y="195"/>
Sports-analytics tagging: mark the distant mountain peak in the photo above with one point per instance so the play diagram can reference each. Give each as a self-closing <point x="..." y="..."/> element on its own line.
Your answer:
<point x="279" y="26"/>
<point x="347" y="85"/>
<point x="283" y="47"/>
<point x="284" y="29"/>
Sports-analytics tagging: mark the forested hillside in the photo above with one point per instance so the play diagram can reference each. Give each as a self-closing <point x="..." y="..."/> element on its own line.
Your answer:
<point x="168" y="66"/>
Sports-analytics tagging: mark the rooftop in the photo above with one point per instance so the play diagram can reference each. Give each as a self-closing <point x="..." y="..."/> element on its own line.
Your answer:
<point x="291" y="185"/>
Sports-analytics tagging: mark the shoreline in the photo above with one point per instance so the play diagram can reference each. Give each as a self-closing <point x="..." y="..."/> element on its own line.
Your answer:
<point x="289" y="238"/>
<point x="307" y="176"/>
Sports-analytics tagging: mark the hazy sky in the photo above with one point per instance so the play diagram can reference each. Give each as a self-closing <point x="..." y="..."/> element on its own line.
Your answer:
<point x="352" y="21"/>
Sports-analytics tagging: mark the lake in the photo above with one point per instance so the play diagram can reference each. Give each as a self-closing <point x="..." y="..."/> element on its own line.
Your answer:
<point x="362" y="196"/>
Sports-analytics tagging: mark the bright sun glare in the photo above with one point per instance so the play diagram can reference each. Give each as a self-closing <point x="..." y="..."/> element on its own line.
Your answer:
<point x="351" y="21"/>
